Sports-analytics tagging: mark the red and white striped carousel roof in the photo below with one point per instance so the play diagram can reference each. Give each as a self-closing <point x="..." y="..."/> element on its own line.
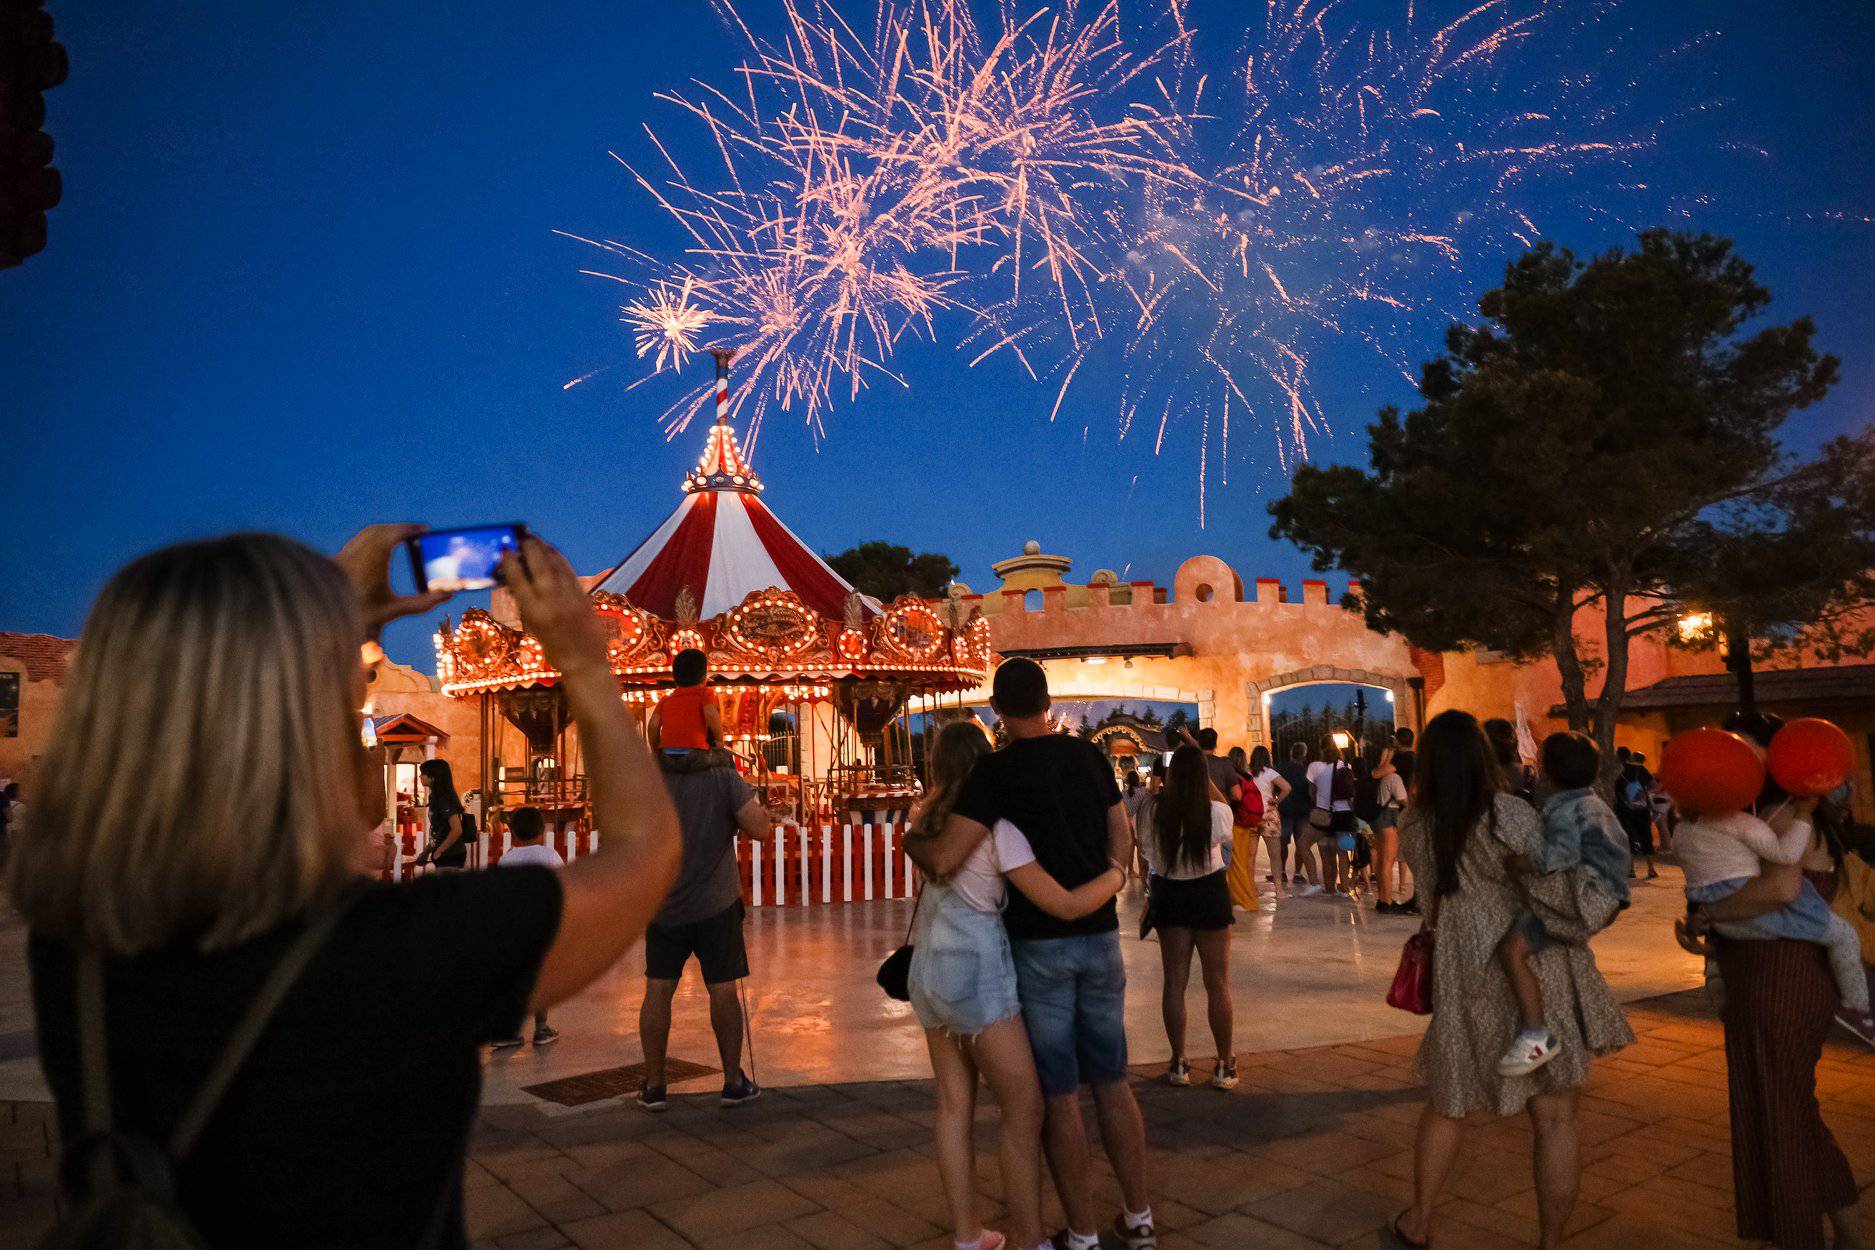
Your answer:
<point x="722" y="544"/>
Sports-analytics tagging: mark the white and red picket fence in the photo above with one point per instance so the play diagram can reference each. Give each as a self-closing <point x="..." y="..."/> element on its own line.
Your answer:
<point x="795" y="866"/>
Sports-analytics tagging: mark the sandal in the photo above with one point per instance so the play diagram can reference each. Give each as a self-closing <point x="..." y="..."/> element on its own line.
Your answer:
<point x="1400" y="1236"/>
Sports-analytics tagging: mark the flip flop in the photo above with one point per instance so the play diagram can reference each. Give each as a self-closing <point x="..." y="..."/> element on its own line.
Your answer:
<point x="1402" y="1238"/>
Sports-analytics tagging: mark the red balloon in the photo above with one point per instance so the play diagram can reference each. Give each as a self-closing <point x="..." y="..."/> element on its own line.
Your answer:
<point x="1711" y="771"/>
<point x="1810" y="756"/>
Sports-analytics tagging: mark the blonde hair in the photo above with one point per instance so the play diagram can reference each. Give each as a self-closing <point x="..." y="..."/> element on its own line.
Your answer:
<point x="204" y="778"/>
<point x="957" y="748"/>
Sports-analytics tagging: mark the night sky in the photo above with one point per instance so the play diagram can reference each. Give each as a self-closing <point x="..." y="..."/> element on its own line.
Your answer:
<point x="305" y="277"/>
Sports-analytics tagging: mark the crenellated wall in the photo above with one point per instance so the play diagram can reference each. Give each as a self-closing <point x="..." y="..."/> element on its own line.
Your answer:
<point x="1230" y="646"/>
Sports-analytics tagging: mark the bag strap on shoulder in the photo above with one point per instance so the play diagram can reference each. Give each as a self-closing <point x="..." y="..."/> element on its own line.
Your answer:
<point x="93" y="1042"/>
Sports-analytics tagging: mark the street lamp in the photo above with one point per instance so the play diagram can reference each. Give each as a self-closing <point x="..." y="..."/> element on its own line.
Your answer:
<point x="1341" y="738"/>
<point x="1702" y="627"/>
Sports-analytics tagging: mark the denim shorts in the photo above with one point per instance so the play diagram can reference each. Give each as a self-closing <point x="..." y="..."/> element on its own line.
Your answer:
<point x="1074" y="1005"/>
<point x="1806" y="920"/>
<point x="962" y="977"/>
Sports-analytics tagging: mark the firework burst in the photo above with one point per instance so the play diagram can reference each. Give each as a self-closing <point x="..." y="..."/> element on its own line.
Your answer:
<point x="1057" y="185"/>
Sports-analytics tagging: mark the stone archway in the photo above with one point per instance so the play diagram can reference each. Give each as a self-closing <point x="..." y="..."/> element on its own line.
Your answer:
<point x="1405" y="709"/>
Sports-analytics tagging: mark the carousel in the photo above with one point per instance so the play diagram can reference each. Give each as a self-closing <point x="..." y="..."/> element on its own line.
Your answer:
<point x="814" y="678"/>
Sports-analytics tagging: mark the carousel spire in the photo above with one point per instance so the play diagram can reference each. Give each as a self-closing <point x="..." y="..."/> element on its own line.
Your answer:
<point x="722" y="466"/>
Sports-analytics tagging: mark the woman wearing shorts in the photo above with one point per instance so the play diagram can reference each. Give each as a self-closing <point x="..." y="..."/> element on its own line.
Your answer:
<point x="963" y="989"/>
<point x="1183" y="831"/>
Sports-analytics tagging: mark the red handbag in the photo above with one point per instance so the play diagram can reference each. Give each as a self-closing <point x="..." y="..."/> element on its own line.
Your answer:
<point x="1412" y="980"/>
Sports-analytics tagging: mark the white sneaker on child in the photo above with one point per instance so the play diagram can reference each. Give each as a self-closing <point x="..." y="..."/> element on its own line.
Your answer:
<point x="1528" y="1053"/>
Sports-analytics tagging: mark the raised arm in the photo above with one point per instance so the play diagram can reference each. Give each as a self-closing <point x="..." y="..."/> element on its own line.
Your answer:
<point x="609" y="896"/>
<point x="1040" y="888"/>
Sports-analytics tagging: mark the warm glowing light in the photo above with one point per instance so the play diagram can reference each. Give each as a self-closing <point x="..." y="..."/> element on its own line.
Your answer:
<point x="1694" y="626"/>
<point x="1342" y="739"/>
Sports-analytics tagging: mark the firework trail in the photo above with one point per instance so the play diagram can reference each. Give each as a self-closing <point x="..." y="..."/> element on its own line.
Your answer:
<point x="1067" y="187"/>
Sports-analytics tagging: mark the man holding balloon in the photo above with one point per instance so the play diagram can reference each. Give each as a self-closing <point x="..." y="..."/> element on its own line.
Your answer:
<point x="1716" y="777"/>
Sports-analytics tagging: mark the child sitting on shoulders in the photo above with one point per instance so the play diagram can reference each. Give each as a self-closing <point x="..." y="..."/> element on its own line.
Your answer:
<point x="1721" y="853"/>
<point x="527" y="827"/>
<point x="1581" y="835"/>
<point x="689" y="718"/>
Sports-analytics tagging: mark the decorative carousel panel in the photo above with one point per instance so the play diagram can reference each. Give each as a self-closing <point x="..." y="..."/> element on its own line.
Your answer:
<point x="770" y="624"/>
<point x="973" y="649"/>
<point x="630" y="631"/>
<point x="849" y="645"/>
<point x="911" y="629"/>
<point x="481" y="647"/>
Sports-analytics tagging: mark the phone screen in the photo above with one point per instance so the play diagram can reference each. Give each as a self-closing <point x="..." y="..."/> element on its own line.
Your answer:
<point x="462" y="559"/>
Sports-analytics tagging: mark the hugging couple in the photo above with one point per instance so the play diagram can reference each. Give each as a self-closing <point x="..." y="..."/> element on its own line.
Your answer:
<point x="1025" y="987"/>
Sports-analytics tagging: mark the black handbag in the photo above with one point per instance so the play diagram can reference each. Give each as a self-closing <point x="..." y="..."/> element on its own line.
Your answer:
<point x="894" y="975"/>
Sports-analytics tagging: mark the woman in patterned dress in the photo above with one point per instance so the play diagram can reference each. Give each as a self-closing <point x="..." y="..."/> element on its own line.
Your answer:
<point x="1458" y="836"/>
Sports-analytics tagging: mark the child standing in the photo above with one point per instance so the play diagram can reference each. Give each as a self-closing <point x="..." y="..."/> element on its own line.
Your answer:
<point x="1581" y="835"/>
<point x="528" y="827"/>
<point x="689" y="718"/>
<point x="1721" y="853"/>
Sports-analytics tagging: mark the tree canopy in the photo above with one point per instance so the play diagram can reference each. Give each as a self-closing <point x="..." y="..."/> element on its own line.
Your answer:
<point x="886" y="571"/>
<point x="1607" y="435"/>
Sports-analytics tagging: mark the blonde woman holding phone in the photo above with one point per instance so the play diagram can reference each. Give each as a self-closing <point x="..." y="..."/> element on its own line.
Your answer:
<point x="190" y="885"/>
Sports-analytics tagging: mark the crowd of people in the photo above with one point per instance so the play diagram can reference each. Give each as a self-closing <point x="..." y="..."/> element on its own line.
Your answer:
<point x="238" y="1020"/>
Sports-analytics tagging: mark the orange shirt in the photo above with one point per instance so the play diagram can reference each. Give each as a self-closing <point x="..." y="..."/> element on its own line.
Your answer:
<point x="680" y="719"/>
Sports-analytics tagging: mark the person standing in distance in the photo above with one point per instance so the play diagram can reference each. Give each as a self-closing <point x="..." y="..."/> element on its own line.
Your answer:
<point x="1059" y="790"/>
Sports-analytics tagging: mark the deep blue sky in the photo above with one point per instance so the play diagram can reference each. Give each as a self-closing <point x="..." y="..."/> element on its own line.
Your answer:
<point x="304" y="277"/>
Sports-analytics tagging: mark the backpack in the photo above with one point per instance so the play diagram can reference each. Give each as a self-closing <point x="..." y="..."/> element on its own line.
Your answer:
<point x="120" y="1185"/>
<point x="1249" y="804"/>
<point x="1633" y="793"/>
<point x="1366" y="794"/>
<point x="1341" y="784"/>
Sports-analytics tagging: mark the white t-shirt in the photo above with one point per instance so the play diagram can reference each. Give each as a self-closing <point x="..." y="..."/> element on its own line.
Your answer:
<point x="1392" y="792"/>
<point x="1727" y="848"/>
<point x="539" y="853"/>
<point x="1221" y="833"/>
<point x="1266" y="782"/>
<point x="980" y="881"/>
<point x="1322" y="781"/>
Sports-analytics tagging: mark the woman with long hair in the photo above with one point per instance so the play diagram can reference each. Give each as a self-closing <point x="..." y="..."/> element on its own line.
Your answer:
<point x="1461" y="834"/>
<point x="448" y="846"/>
<point x="963" y="988"/>
<point x="189" y="883"/>
<point x="1182" y="831"/>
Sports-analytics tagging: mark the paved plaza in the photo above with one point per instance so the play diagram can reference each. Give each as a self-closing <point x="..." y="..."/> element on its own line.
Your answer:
<point x="1312" y="1150"/>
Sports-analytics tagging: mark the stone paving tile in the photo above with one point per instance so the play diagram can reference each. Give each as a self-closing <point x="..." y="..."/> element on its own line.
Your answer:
<point x="1313" y="1150"/>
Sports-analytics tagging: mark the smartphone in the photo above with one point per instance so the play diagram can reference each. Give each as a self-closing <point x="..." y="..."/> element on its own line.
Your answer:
<point x="463" y="558"/>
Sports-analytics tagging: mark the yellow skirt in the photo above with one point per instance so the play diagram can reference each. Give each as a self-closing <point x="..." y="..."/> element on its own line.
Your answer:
<point x="1242" y="872"/>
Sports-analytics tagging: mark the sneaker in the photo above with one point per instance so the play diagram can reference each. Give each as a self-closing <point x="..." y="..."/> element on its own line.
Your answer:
<point x="1135" y="1236"/>
<point x="1305" y="889"/>
<point x="1224" y="1074"/>
<point x="653" y="1098"/>
<point x="1860" y="1023"/>
<point x="1388" y="909"/>
<point x="505" y="1043"/>
<point x="1528" y="1053"/>
<point x="1179" y="1073"/>
<point x="741" y="1091"/>
<point x="1410" y="907"/>
<point x="544" y="1036"/>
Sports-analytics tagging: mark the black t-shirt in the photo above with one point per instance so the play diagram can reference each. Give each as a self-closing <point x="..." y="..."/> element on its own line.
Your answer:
<point x="1057" y="789"/>
<point x="1404" y="760"/>
<point x="441" y="810"/>
<point x="348" y="1124"/>
<point x="1301" y="797"/>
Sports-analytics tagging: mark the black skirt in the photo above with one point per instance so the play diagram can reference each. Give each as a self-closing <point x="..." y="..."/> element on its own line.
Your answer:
<point x="1199" y="903"/>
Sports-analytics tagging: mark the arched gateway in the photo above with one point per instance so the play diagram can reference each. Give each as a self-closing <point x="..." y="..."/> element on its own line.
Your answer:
<point x="1204" y="642"/>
